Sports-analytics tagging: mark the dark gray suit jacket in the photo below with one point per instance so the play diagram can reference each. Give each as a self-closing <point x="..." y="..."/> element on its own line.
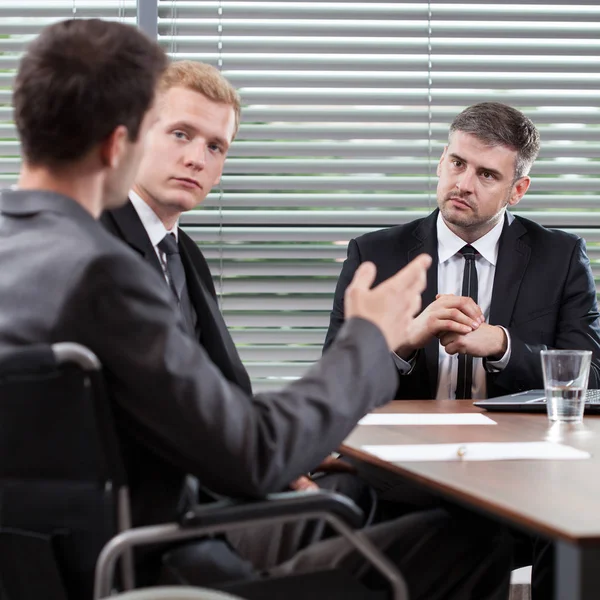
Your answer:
<point x="65" y="278"/>
<point x="213" y="334"/>
<point x="544" y="294"/>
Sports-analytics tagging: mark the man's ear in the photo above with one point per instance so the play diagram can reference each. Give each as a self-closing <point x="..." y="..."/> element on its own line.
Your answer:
<point x="439" y="166"/>
<point x="519" y="188"/>
<point x="114" y="147"/>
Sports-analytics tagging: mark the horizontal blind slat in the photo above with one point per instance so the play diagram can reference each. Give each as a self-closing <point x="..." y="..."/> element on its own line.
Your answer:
<point x="377" y="45"/>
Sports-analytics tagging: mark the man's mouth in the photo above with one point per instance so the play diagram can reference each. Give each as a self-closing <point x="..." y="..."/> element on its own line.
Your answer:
<point x="460" y="201"/>
<point x="186" y="181"/>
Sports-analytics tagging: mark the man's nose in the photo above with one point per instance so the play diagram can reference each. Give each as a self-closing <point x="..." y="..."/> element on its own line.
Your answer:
<point x="466" y="181"/>
<point x="196" y="156"/>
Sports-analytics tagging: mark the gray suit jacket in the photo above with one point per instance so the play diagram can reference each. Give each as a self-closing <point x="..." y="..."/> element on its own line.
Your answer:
<point x="65" y="278"/>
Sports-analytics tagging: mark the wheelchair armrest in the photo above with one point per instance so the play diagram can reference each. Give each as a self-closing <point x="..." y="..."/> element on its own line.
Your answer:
<point x="27" y="361"/>
<point x="224" y="515"/>
<point x="283" y="504"/>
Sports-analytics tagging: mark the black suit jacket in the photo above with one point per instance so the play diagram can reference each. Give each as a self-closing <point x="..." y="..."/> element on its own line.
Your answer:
<point x="65" y="278"/>
<point x="213" y="334"/>
<point x="544" y="294"/>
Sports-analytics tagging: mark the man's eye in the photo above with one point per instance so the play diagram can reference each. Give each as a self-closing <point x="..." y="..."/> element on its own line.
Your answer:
<point x="180" y="135"/>
<point x="457" y="163"/>
<point x="487" y="175"/>
<point x="215" y="148"/>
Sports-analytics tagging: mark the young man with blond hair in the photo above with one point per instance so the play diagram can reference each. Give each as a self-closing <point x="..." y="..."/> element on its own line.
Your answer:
<point x="198" y="118"/>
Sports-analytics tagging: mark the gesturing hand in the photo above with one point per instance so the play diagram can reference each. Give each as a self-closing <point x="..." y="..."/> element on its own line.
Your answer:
<point x="392" y="304"/>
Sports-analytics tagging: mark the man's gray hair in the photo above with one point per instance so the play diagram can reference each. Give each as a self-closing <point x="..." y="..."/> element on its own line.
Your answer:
<point x="497" y="124"/>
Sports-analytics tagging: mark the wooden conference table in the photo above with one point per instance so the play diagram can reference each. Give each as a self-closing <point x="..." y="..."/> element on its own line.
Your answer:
<point x="559" y="499"/>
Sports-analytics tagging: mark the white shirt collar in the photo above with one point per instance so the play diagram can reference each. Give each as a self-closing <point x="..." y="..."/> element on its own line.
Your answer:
<point x="153" y="225"/>
<point x="449" y="243"/>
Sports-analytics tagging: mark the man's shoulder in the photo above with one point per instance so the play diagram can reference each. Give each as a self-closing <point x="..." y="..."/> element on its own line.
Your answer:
<point x="392" y="235"/>
<point x="196" y="259"/>
<point x="186" y="238"/>
<point x="76" y="247"/>
<point x="101" y="246"/>
<point x="122" y="221"/>
<point x="110" y="269"/>
<point x="76" y="238"/>
<point x="539" y="235"/>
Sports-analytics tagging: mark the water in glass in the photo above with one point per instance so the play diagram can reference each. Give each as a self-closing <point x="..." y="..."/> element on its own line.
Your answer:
<point x="565" y="403"/>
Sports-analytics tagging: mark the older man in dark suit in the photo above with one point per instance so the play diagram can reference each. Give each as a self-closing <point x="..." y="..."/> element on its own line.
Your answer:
<point x="501" y="287"/>
<point x="83" y="105"/>
<point x="535" y="288"/>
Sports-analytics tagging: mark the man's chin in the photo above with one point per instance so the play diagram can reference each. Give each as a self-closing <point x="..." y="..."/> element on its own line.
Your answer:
<point x="457" y="217"/>
<point x="183" y="204"/>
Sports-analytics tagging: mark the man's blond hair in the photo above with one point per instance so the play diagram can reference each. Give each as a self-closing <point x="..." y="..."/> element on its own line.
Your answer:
<point x="204" y="79"/>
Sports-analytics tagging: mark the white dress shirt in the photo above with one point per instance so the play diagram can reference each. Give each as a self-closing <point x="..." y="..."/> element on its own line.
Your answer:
<point x="450" y="276"/>
<point x="154" y="228"/>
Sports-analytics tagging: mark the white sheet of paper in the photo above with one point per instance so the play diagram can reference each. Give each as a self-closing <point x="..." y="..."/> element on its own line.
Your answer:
<point x="477" y="451"/>
<point x="426" y="419"/>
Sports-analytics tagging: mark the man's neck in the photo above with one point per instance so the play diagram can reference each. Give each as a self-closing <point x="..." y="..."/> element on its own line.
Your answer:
<point x="472" y="234"/>
<point x="168" y="216"/>
<point x="85" y="189"/>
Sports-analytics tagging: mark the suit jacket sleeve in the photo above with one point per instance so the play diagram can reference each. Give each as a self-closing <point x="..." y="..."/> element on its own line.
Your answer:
<point x="349" y="267"/>
<point x="413" y="377"/>
<point x="181" y="406"/>
<point x="576" y="328"/>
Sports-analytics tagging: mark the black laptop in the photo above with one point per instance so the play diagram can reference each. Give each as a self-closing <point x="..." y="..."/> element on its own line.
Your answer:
<point x="534" y="401"/>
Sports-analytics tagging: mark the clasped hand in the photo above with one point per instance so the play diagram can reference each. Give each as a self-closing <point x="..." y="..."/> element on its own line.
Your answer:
<point x="459" y="324"/>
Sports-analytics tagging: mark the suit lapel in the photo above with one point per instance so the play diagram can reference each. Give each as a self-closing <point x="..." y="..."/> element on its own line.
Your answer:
<point x="132" y="231"/>
<point x="426" y="241"/>
<point x="513" y="258"/>
<point x="214" y="335"/>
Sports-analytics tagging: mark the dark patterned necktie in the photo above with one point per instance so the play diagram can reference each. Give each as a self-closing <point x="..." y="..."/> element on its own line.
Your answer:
<point x="176" y="277"/>
<point x="464" y="380"/>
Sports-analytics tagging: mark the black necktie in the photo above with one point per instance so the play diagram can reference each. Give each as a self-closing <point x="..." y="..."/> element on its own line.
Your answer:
<point x="464" y="381"/>
<point x="176" y="276"/>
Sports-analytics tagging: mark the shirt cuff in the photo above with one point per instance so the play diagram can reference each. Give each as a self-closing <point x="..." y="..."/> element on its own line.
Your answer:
<point x="405" y="367"/>
<point x="495" y="366"/>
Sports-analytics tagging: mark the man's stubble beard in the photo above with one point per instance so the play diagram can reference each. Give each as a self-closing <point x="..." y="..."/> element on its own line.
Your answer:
<point x="472" y="221"/>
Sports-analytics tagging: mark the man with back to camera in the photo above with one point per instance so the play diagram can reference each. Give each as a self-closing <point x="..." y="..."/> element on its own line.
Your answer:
<point x="175" y="411"/>
<point x="534" y="286"/>
<point x="198" y="116"/>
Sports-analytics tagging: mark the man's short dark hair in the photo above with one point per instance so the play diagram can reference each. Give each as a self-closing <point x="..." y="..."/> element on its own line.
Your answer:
<point x="498" y="124"/>
<point x="77" y="82"/>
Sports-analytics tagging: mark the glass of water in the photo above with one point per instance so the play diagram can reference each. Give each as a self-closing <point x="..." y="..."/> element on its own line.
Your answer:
<point x="566" y="375"/>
